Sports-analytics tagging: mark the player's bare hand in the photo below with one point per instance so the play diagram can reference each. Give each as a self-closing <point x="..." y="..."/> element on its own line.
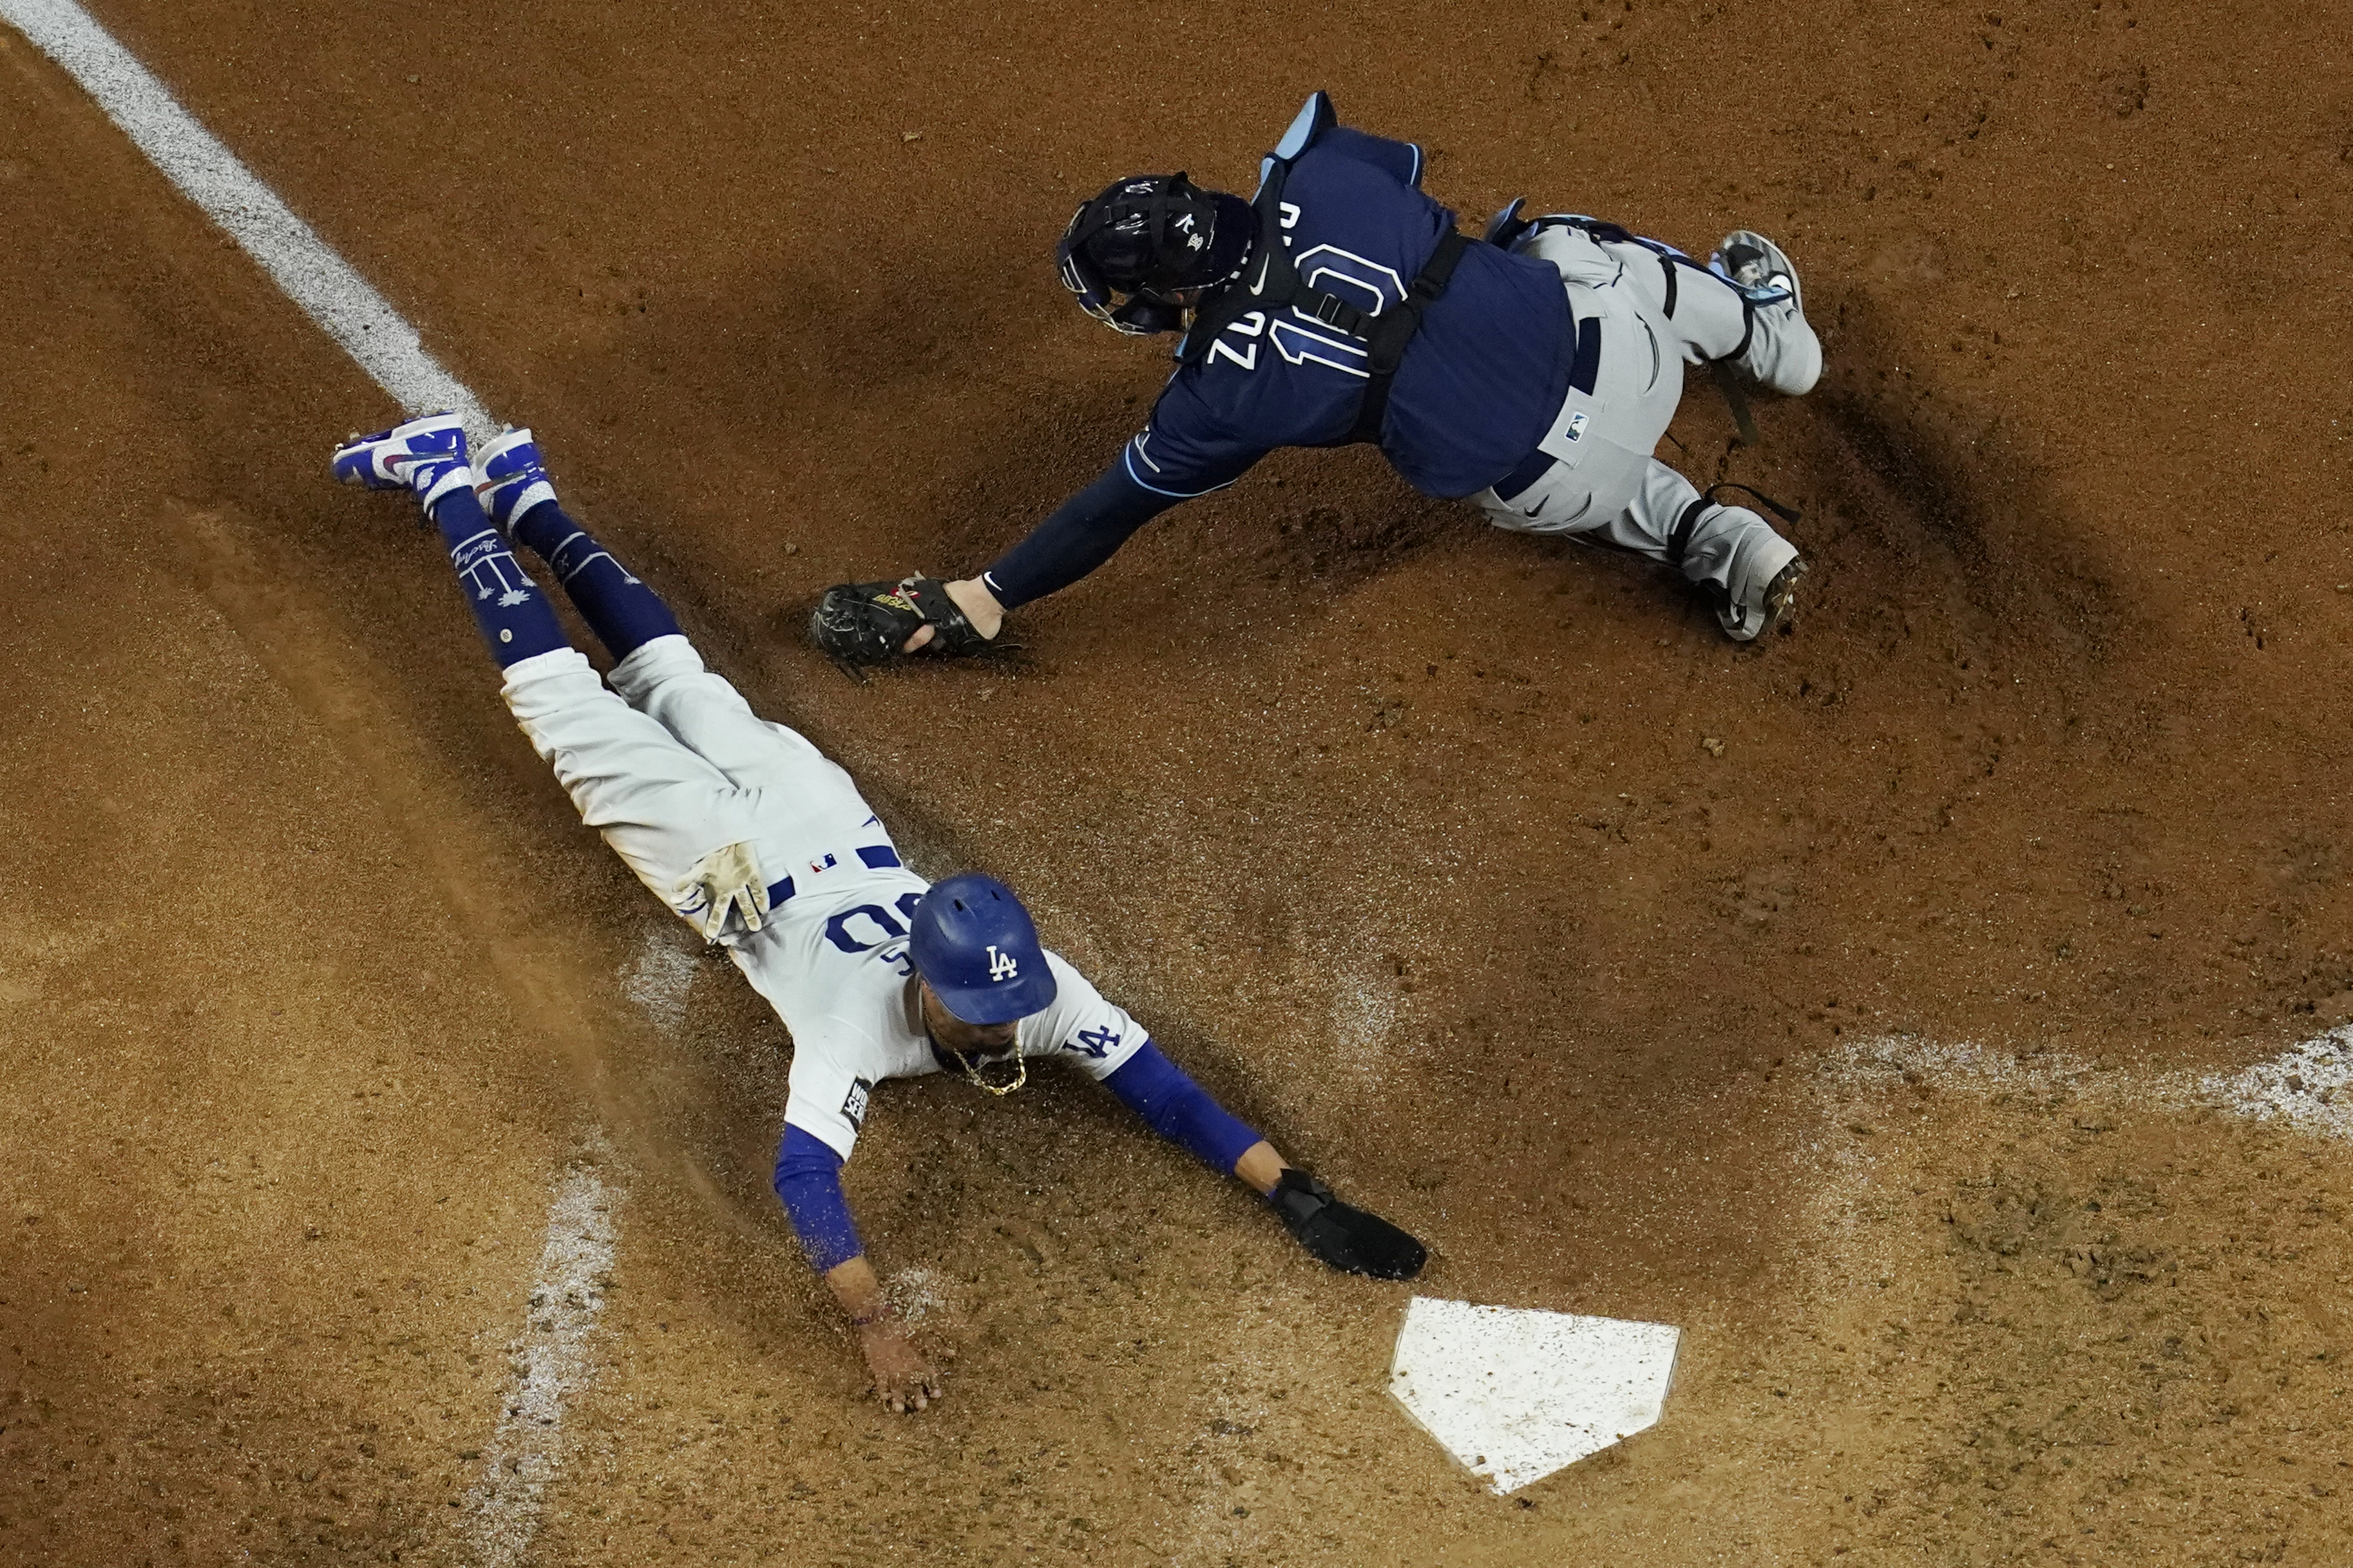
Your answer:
<point x="981" y="612"/>
<point x="903" y="1380"/>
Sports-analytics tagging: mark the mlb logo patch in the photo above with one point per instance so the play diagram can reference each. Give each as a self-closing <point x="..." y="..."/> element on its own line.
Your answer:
<point x="819" y="867"/>
<point x="1576" y="427"/>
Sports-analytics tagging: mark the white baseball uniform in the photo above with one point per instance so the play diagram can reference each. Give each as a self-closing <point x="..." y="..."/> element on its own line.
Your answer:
<point x="670" y="763"/>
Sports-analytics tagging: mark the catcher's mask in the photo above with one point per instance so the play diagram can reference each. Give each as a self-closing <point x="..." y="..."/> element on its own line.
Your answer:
<point x="1151" y="237"/>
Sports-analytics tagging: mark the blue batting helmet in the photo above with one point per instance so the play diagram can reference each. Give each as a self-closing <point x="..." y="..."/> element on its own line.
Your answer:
<point x="977" y="947"/>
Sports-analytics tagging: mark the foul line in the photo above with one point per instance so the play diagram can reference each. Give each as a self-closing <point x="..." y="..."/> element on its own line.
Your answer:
<point x="577" y="1263"/>
<point x="321" y="282"/>
<point x="2310" y="1085"/>
<point x="566" y="1295"/>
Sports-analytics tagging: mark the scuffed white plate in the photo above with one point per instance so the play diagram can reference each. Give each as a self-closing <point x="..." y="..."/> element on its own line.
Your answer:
<point x="1516" y="1393"/>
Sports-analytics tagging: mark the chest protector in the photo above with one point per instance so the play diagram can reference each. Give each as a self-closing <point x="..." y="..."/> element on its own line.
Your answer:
<point x="1270" y="282"/>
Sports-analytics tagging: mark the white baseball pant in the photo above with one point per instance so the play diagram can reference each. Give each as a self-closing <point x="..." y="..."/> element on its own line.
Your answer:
<point x="670" y="764"/>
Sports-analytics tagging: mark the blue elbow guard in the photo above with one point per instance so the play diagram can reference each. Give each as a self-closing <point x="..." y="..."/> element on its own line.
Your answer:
<point x="1179" y="1110"/>
<point x="809" y="1180"/>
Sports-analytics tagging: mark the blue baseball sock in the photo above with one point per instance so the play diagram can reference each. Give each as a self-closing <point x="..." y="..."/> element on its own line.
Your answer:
<point x="623" y="611"/>
<point x="516" y="619"/>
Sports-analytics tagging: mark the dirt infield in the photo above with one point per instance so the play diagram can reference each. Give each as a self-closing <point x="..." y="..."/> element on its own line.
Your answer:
<point x="1620" y="964"/>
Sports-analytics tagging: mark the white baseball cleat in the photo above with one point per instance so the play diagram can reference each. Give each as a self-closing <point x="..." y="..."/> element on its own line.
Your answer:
<point x="510" y="479"/>
<point x="427" y="456"/>
<point x="1773" y="606"/>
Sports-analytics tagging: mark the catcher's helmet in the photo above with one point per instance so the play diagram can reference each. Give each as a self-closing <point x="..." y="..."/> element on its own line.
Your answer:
<point x="1149" y="237"/>
<point x="977" y="948"/>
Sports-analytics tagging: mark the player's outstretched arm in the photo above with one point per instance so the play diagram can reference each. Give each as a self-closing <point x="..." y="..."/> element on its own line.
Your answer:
<point x="809" y="1180"/>
<point x="1347" y="1238"/>
<point x="1078" y="536"/>
<point x="903" y="1380"/>
<point x="864" y="623"/>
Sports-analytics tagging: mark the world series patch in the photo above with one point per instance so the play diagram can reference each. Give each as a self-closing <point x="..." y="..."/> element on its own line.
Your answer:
<point x="853" y="1104"/>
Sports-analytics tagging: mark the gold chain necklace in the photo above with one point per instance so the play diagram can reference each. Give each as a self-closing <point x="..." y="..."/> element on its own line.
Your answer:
<point x="971" y="1073"/>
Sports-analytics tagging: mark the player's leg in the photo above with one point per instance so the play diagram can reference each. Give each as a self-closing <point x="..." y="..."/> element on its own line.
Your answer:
<point x="620" y="609"/>
<point x="661" y="807"/>
<point x="1745" y="306"/>
<point x="428" y="457"/>
<point x="1735" y="559"/>
<point x="664" y="810"/>
<point x="1595" y="478"/>
<point x="1632" y="501"/>
<point x="804" y="802"/>
<point x="1590" y="466"/>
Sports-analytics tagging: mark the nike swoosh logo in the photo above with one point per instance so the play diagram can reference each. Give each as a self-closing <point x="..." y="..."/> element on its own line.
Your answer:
<point x="1260" y="287"/>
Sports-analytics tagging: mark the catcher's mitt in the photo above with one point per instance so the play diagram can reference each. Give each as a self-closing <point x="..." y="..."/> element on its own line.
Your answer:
<point x="1347" y="1238"/>
<point x="870" y="623"/>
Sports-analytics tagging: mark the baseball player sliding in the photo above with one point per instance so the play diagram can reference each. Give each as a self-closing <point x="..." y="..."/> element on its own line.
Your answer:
<point x="764" y="848"/>
<point x="1533" y="372"/>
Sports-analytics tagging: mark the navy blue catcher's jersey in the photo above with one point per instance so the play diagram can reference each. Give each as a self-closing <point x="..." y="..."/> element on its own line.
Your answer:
<point x="1480" y="381"/>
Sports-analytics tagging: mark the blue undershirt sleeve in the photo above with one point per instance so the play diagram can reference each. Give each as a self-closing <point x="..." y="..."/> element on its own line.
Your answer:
<point x="808" y="1178"/>
<point x="1081" y="534"/>
<point x="1180" y="1109"/>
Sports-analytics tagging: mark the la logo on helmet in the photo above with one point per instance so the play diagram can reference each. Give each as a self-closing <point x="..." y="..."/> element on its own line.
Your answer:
<point x="1002" y="965"/>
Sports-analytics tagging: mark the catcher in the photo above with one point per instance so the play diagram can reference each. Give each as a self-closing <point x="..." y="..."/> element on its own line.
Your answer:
<point x="764" y="847"/>
<point x="1533" y="372"/>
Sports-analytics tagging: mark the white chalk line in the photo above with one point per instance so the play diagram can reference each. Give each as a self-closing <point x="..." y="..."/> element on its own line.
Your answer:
<point x="2310" y="1085"/>
<point x="317" y="279"/>
<point x="550" y="1362"/>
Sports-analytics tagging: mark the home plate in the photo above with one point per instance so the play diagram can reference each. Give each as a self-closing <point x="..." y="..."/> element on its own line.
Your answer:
<point x="1517" y="1394"/>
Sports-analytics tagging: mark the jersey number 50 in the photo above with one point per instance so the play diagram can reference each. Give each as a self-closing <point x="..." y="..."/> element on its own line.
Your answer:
<point x="838" y="929"/>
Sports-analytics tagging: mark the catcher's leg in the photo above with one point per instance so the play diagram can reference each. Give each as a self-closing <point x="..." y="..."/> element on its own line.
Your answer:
<point x="1745" y="306"/>
<point x="1594" y="476"/>
<point x="1730" y="553"/>
<point x="1743" y="568"/>
<point x="1592" y="463"/>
